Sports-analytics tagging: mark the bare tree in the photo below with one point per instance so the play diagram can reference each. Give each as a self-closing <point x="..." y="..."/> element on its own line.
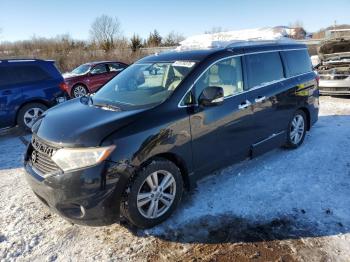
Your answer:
<point x="298" y="30"/>
<point x="105" y="31"/>
<point x="215" y="30"/>
<point x="296" y="24"/>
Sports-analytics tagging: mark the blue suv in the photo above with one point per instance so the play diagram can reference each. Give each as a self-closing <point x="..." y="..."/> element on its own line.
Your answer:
<point x="27" y="89"/>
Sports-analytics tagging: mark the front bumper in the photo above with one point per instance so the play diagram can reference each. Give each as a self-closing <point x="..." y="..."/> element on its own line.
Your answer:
<point x="88" y="197"/>
<point x="334" y="87"/>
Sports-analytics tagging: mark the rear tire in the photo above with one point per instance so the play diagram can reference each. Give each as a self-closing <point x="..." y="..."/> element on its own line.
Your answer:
<point x="296" y="130"/>
<point x="153" y="194"/>
<point x="28" y="114"/>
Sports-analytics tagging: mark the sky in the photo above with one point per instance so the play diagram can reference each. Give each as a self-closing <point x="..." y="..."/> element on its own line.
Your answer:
<point x="23" y="19"/>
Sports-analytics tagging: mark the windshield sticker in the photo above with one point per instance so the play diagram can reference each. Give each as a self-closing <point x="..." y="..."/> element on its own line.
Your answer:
<point x="184" y="63"/>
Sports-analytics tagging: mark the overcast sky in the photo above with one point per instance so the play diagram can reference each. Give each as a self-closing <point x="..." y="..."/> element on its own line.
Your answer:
<point x="22" y="19"/>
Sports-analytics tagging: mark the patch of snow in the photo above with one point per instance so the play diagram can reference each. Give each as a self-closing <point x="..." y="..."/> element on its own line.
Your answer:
<point x="315" y="60"/>
<point x="309" y="186"/>
<point x="68" y="75"/>
<point x="223" y="39"/>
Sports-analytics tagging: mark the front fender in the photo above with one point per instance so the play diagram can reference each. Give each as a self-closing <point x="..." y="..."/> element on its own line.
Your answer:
<point x="142" y="140"/>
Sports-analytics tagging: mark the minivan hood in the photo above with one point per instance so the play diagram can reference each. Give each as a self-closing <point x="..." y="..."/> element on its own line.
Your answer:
<point x="335" y="46"/>
<point x="74" y="124"/>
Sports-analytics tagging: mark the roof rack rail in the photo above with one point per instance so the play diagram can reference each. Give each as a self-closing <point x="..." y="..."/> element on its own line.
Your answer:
<point x="18" y="60"/>
<point x="252" y="42"/>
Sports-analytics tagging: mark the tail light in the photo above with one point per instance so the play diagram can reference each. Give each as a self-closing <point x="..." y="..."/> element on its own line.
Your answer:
<point x="63" y="86"/>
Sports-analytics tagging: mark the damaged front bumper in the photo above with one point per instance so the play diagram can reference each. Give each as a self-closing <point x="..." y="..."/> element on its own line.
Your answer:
<point x="88" y="197"/>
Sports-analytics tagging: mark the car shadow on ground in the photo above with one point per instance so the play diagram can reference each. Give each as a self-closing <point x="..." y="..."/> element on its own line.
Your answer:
<point x="228" y="228"/>
<point x="12" y="146"/>
<point x="284" y="194"/>
<point x="216" y="229"/>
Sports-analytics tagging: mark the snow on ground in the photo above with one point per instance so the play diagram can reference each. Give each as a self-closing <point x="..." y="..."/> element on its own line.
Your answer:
<point x="290" y="205"/>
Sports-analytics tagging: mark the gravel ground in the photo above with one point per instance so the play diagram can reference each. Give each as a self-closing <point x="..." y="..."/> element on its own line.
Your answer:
<point x="282" y="206"/>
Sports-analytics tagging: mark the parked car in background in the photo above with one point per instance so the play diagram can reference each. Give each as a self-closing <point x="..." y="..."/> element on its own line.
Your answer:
<point x="334" y="67"/>
<point x="27" y="88"/>
<point x="89" y="77"/>
<point x="166" y="121"/>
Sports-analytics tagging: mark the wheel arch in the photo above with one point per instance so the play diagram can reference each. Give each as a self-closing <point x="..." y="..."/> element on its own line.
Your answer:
<point x="178" y="161"/>
<point x="34" y="101"/>
<point x="308" y="117"/>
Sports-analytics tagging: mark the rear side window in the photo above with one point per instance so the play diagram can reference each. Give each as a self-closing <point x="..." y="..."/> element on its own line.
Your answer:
<point x="99" y="69"/>
<point x="18" y="74"/>
<point x="264" y="68"/>
<point x="6" y="76"/>
<point x="298" y="62"/>
<point x="115" y="67"/>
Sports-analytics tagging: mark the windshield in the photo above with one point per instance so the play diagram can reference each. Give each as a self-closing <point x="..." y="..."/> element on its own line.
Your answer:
<point x="143" y="84"/>
<point x="81" y="70"/>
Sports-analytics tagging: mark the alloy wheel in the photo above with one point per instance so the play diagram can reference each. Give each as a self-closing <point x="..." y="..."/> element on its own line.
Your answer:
<point x="297" y="129"/>
<point x="79" y="91"/>
<point x="31" y="115"/>
<point x="156" y="194"/>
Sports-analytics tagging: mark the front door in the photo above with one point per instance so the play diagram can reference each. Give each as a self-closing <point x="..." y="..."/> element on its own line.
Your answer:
<point x="221" y="134"/>
<point x="98" y="77"/>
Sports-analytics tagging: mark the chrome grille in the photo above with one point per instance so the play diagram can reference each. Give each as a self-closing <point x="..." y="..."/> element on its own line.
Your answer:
<point x="41" y="157"/>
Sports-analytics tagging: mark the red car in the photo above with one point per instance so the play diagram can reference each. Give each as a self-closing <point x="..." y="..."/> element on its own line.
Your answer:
<point x="88" y="78"/>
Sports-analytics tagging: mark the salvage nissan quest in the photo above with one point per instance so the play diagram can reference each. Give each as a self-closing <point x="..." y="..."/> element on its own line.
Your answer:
<point x="164" y="122"/>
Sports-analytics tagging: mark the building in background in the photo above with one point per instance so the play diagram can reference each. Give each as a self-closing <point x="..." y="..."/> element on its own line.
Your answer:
<point x="338" y="33"/>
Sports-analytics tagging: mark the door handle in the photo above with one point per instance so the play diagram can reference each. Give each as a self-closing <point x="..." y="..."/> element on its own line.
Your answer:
<point x="260" y="99"/>
<point x="244" y="105"/>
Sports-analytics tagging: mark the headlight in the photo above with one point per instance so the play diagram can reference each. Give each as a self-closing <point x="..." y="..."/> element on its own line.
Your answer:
<point x="75" y="158"/>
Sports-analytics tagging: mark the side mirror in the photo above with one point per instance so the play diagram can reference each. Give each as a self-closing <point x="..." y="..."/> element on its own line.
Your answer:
<point x="211" y="96"/>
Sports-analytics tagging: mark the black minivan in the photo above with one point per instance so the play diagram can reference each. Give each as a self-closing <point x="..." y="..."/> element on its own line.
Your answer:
<point x="133" y="147"/>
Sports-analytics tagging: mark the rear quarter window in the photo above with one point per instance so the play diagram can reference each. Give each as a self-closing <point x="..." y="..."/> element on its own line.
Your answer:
<point x="21" y="74"/>
<point x="6" y="78"/>
<point x="116" y="67"/>
<point x="263" y="68"/>
<point x="298" y="62"/>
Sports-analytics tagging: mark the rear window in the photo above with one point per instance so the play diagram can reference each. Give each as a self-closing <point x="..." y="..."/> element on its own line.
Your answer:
<point x="18" y="74"/>
<point x="264" y="68"/>
<point x="298" y="62"/>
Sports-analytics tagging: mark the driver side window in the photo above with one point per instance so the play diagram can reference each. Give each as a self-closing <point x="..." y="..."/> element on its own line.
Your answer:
<point x="226" y="73"/>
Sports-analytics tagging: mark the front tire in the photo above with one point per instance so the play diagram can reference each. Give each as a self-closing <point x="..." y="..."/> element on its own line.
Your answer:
<point x="296" y="130"/>
<point x="28" y="114"/>
<point x="153" y="195"/>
